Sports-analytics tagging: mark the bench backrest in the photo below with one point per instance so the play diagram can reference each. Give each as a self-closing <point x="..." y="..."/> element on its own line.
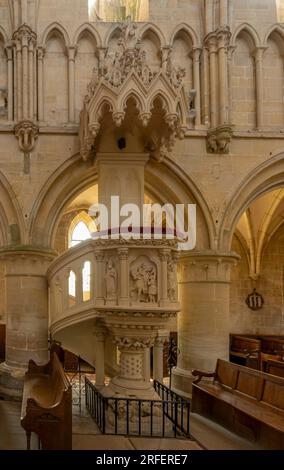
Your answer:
<point x="258" y="385"/>
<point x="244" y="344"/>
<point x="272" y="345"/>
<point x="275" y="368"/>
<point x="59" y="382"/>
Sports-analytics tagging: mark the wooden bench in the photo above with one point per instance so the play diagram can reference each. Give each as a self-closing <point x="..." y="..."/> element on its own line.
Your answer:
<point x="272" y="348"/>
<point x="275" y="367"/>
<point x="245" y="351"/>
<point x="47" y="405"/>
<point x="247" y="401"/>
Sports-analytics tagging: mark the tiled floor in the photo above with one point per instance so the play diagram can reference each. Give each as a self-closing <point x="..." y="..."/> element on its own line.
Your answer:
<point x="86" y="435"/>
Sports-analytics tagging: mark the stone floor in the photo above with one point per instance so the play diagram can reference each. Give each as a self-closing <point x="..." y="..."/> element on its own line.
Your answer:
<point x="86" y="435"/>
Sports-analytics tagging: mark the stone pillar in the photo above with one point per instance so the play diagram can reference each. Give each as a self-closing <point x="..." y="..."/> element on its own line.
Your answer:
<point x="19" y="80"/>
<point x="15" y="82"/>
<point x="100" y="357"/>
<point x="223" y="37"/>
<point x="24" y="40"/>
<point x="205" y="88"/>
<point x="231" y="51"/>
<point x="203" y="323"/>
<point x="71" y="82"/>
<point x="31" y="81"/>
<point x="124" y="277"/>
<point x="26" y="311"/>
<point x="40" y="56"/>
<point x="223" y="10"/>
<point x="259" y="86"/>
<point x="25" y="83"/>
<point x="196" y="81"/>
<point x="98" y="277"/>
<point x="146" y="364"/>
<point x="164" y="256"/>
<point x="158" y="361"/>
<point x="9" y="52"/>
<point x="212" y="46"/>
<point x="131" y="379"/>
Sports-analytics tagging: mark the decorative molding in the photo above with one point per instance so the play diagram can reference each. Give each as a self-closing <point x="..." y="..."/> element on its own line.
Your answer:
<point x="25" y="35"/>
<point x="133" y="343"/>
<point x="125" y="73"/>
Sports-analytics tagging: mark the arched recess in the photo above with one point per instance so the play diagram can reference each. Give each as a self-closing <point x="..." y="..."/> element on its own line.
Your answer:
<point x="151" y="44"/>
<point x="243" y="81"/>
<point x="55" y="42"/>
<point x="187" y="30"/>
<point x="262" y="179"/>
<point x="165" y="182"/>
<point x="3" y="78"/>
<point x="182" y="55"/>
<point x="85" y="62"/>
<point x="273" y="72"/>
<point x="112" y="38"/>
<point x="246" y="27"/>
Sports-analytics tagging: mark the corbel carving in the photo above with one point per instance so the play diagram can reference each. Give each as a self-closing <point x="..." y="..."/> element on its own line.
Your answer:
<point x="218" y="139"/>
<point x="27" y="133"/>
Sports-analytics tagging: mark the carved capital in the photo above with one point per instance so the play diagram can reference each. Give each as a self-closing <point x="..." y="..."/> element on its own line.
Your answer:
<point x="223" y="37"/>
<point x="40" y="52"/>
<point x="100" y="334"/>
<point x="164" y="255"/>
<point x="27" y="133"/>
<point x="196" y="54"/>
<point x="9" y="51"/>
<point x="71" y="53"/>
<point x="145" y="118"/>
<point x="118" y="118"/>
<point x="24" y="34"/>
<point x="123" y="253"/>
<point x="99" y="255"/>
<point x="218" y="139"/>
<point x="211" y="43"/>
<point x="258" y="53"/>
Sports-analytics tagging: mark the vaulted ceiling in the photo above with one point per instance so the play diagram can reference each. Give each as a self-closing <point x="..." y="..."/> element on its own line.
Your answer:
<point x="258" y="224"/>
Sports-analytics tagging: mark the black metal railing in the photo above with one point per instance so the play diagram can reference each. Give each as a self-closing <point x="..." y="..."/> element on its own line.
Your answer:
<point x="177" y="408"/>
<point x="138" y="417"/>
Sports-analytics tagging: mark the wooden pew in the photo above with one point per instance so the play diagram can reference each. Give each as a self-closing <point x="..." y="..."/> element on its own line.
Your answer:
<point x="245" y="350"/>
<point x="272" y="347"/>
<point x="275" y="367"/>
<point x="47" y="405"/>
<point x="2" y="341"/>
<point x="247" y="401"/>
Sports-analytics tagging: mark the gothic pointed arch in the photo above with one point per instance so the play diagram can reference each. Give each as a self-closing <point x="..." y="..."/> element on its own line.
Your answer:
<point x="87" y="28"/>
<point x="266" y="177"/>
<point x="249" y="29"/>
<point x="55" y="27"/>
<point x="12" y="227"/>
<point x="127" y="72"/>
<point x="189" y="31"/>
<point x="166" y="182"/>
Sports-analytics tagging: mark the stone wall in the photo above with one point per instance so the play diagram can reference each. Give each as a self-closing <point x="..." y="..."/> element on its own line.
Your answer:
<point x="270" y="319"/>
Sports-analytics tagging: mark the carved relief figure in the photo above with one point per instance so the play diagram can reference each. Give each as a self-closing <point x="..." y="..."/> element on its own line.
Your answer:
<point x="110" y="280"/>
<point x="175" y="74"/>
<point x="152" y="286"/>
<point x="139" y="276"/>
<point x="145" y="282"/>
